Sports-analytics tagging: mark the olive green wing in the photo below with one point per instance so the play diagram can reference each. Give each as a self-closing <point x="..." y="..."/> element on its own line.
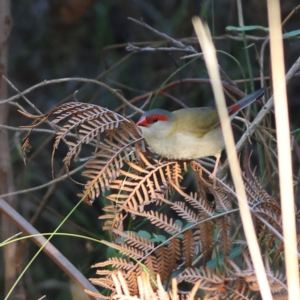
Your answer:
<point x="203" y="119"/>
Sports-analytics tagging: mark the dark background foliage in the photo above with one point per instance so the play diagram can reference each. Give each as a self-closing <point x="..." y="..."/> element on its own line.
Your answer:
<point x="73" y="38"/>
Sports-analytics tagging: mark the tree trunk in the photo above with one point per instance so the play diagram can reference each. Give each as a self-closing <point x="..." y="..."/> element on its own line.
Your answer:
<point x="6" y="176"/>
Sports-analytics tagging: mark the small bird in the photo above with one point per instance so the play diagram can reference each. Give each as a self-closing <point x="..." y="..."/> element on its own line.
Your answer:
<point x="189" y="133"/>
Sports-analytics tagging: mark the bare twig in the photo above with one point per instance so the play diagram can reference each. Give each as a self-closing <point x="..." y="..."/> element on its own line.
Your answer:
<point x="151" y="49"/>
<point x="225" y="84"/>
<point x="21" y="95"/>
<point x="26" y="129"/>
<point x="54" y="81"/>
<point x="176" y="43"/>
<point x="295" y="10"/>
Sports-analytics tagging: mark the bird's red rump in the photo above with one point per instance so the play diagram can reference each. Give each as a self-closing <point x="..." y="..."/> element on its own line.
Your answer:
<point x="147" y="120"/>
<point x="233" y="108"/>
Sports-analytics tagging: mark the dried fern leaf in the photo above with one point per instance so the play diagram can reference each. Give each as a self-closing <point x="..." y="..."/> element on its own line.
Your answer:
<point x="89" y="119"/>
<point x="173" y="257"/>
<point x="162" y="221"/>
<point x="242" y="292"/>
<point x="222" y="198"/>
<point x="131" y="280"/>
<point x="126" y="250"/>
<point x="109" y="160"/>
<point x="87" y="122"/>
<point x="152" y="267"/>
<point x="107" y="283"/>
<point x="114" y="218"/>
<point x="161" y="254"/>
<point x="184" y="212"/>
<point x="224" y="237"/>
<point x="200" y="204"/>
<point x="271" y="216"/>
<point x="277" y="283"/>
<point x="141" y="186"/>
<point x="96" y="295"/>
<point x="132" y="239"/>
<point x="204" y="237"/>
<point x="210" y="281"/>
<point x="115" y="262"/>
<point x="188" y="248"/>
<point x="256" y="194"/>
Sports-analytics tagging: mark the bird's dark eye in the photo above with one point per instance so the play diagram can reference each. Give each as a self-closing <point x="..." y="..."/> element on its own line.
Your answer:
<point x="154" y="120"/>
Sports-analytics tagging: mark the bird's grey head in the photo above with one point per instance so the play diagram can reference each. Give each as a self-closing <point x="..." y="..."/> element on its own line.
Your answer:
<point x="156" y="122"/>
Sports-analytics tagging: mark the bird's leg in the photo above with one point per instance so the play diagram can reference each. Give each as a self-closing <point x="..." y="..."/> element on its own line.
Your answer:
<point x="213" y="175"/>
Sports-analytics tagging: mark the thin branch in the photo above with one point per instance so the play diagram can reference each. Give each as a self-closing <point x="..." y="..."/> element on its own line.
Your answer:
<point x="225" y="84"/>
<point x="54" y="81"/>
<point x="27" y="129"/>
<point x="151" y="49"/>
<point x="295" y="10"/>
<point x="176" y="43"/>
<point x="179" y="45"/>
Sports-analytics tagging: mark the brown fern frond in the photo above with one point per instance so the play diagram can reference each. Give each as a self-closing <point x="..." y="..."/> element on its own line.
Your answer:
<point x="257" y="195"/>
<point x="96" y="295"/>
<point x="271" y="216"/>
<point x="115" y="262"/>
<point x="201" y="204"/>
<point x="162" y="221"/>
<point x="132" y="239"/>
<point x="126" y="250"/>
<point x="107" y="283"/>
<point x="210" y="280"/>
<point x="188" y="248"/>
<point x="86" y="122"/>
<point x="140" y="185"/>
<point x="106" y="273"/>
<point x="184" y="212"/>
<point x="114" y="218"/>
<point x="280" y="296"/>
<point x="174" y="173"/>
<point x="276" y="281"/>
<point x="141" y="288"/>
<point x="89" y="119"/>
<point x="173" y="257"/>
<point x="131" y="280"/>
<point x="204" y="239"/>
<point x="152" y="267"/>
<point x="222" y="198"/>
<point x="241" y="293"/>
<point x="224" y="237"/>
<point x="109" y="160"/>
<point x="39" y="119"/>
<point x="162" y="263"/>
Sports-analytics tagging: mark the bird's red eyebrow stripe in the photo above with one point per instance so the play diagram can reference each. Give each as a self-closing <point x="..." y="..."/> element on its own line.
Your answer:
<point x="159" y="117"/>
<point x="146" y="120"/>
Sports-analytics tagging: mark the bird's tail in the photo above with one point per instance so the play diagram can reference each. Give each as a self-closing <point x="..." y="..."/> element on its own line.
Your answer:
<point x="235" y="108"/>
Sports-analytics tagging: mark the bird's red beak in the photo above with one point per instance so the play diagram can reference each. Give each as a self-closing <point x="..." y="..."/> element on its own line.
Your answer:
<point x="142" y="122"/>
